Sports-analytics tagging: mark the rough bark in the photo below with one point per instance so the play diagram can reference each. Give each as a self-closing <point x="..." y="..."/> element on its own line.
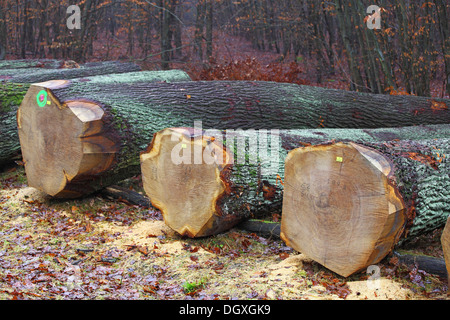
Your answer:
<point x="249" y="185"/>
<point x="37" y="63"/>
<point x="127" y="196"/>
<point x="132" y="113"/>
<point x="267" y="105"/>
<point x="346" y="205"/>
<point x="34" y="75"/>
<point x="11" y="96"/>
<point x="428" y="264"/>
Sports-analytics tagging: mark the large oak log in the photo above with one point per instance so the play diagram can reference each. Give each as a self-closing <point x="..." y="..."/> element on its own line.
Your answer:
<point x="11" y="95"/>
<point x="445" y="240"/>
<point x="33" y="75"/>
<point x="346" y="205"/>
<point x="37" y="63"/>
<point x="130" y="114"/>
<point x="206" y="196"/>
<point x="15" y="82"/>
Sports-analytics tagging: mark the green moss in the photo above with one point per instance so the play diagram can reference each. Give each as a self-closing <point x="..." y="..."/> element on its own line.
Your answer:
<point x="11" y="96"/>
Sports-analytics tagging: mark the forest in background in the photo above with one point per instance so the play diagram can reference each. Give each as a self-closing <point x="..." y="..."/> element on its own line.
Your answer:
<point x="306" y="42"/>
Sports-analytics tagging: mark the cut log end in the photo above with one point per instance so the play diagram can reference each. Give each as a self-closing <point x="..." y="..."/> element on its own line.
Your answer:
<point x="445" y="241"/>
<point x="61" y="142"/>
<point x="340" y="207"/>
<point x="182" y="178"/>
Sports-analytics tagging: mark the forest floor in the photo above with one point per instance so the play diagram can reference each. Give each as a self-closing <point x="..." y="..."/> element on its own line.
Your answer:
<point x="98" y="248"/>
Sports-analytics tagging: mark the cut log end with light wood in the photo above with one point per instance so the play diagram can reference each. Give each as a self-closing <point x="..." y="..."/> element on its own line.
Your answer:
<point x="181" y="176"/>
<point x="340" y="206"/>
<point x="55" y="154"/>
<point x="445" y="240"/>
<point x="75" y="145"/>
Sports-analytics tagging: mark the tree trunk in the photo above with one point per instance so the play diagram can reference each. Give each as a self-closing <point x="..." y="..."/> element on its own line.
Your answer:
<point x="166" y="35"/>
<point x="346" y="205"/>
<point x="36" y="63"/>
<point x="201" y="196"/>
<point x="209" y="28"/>
<point x="199" y="25"/>
<point x="131" y="113"/>
<point x="3" y="34"/>
<point x="33" y="75"/>
<point x="445" y="240"/>
<point x="11" y="96"/>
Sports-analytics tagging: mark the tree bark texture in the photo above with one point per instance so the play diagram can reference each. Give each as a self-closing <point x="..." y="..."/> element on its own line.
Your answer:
<point x="37" y="63"/>
<point x="129" y="115"/>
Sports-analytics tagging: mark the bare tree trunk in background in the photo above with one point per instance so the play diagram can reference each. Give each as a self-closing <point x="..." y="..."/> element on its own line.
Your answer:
<point x="165" y="33"/>
<point x="3" y="37"/>
<point x="209" y="28"/>
<point x="444" y="29"/>
<point x="356" y="82"/>
<point x="177" y="28"/>
<point x="199" y="23"/>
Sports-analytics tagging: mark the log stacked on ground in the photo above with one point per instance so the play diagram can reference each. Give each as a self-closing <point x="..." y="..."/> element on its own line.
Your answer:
<point x="33" y="75"/>
<point x="345" y="205"/>
<point x="11" y="95"/>
<point x="129" y="115"/>
<point x="37" y="63"/>
<point x="206" y="197"/>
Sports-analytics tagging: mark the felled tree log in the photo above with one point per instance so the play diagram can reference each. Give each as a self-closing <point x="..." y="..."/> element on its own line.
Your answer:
<point x="131" y="113"/>
<point x="37" y="63"/>
<point x="14" y="84"/>
<point x="33" y="75"/>
<point x="445" y="240"/>
<point x="346" y="205"/>
<point x="204" y="182"/>
<point x="11" y="95"/>
<point x="126" y="195"/>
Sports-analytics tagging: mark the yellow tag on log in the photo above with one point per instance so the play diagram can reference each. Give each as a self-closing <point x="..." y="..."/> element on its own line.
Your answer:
<point x="339" y="159"/>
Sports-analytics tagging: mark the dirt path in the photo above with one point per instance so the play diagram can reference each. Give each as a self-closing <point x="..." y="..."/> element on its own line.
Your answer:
<point x="99" y="249"/>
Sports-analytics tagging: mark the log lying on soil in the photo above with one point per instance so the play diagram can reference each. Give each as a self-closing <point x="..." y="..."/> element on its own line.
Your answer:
<point x="445" y="240"/>
<point x="33" y="75"/>
<point x="126" y="195"/>
<point x="204" y="182"/>
<point x="130" y="114"/>
<point x="11" y="95"/>
<point x="432" y="265"/>
<point x="37" y="63"/>
<point x="346" y="205"/>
